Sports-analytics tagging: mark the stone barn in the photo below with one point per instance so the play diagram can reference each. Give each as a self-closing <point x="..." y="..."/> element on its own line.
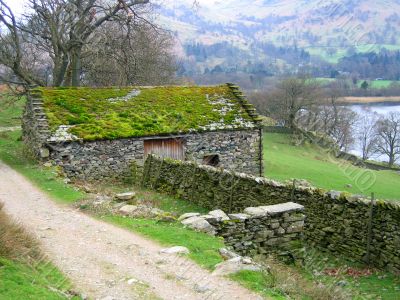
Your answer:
<point x="97" y="133"/>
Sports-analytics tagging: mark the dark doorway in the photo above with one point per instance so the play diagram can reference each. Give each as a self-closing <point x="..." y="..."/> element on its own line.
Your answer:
<point x="211" y="160"/>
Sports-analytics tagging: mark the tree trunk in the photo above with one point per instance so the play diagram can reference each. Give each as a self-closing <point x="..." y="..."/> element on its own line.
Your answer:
<point x="76" y="66"/>
<point x="59" y="71"/>
<point x="391" y="160"/>
<point x="292" y="118"/>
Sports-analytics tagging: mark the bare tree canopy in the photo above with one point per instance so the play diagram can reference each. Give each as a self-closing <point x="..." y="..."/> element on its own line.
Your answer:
<point x="367" y="135"/>
<point x="130" y="55"/>
<point x="388" y="134"/>
<point x="294" y="94"/>
<point x="53" y="40"/>
<point x="300" y="102"/>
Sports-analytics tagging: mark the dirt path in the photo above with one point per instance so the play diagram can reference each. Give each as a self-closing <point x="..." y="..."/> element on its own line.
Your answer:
<point x="100" y="258"/>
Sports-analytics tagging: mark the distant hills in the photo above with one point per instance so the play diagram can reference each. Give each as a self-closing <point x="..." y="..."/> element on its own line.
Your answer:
<point x="215" y="31"/>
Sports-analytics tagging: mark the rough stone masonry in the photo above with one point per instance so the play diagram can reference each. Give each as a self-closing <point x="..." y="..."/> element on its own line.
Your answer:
<point x="238" y="149"/>
<point x="258" y="230"/>
<point x="336" y="221"/>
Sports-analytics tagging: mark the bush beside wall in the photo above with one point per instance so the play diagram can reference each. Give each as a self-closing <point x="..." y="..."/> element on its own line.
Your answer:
<point x="335" y="222"/>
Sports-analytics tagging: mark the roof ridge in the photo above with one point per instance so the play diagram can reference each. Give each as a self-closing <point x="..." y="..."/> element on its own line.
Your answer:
<point x="247" y="106"/>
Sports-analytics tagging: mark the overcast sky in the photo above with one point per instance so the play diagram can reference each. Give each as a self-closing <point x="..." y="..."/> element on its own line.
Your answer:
<point x="18" y="5"/>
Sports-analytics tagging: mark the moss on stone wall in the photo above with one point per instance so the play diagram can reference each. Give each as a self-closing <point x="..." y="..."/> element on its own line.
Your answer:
<point x="111" y="113"/>
<point x="335" y="221"/>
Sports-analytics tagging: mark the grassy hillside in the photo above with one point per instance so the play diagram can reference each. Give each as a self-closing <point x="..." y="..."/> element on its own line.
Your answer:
<point x="284" y="161"/>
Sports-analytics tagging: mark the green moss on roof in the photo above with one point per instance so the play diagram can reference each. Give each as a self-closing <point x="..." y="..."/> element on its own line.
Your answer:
<point x="154" y="111"/>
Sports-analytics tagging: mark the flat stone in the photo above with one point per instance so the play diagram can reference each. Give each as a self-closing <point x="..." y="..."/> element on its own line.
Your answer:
<point x="201" y="288"/>
<point x="188" y="215"/>
<point x="44" y="152"/>
<point x="156" y="212"/>
<point x="132" y="281"/>
<point x="255" y="211"/>
<point x="234" y="265"/>
<point x="210" y="219"/>
<point x="282" y="208"/>
<point x="219" y="214"/>
<point x="227" y="254"/>
<point x="125" y="196"/>
<point x="175" y="250"/>
<point x="334" y="194"/>
<point x="127" y="209"/>
<point x="241" y="217"/>
<point x="199" y="224"/>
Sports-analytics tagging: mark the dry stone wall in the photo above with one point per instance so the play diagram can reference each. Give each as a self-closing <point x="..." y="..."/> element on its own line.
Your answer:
<point x="259" y="230"/>
<point x="335" y="221"/>
<point x="264" y="229"/>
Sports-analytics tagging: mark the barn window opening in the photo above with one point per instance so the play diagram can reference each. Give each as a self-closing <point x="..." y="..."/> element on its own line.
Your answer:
<point x="211" y="160"/>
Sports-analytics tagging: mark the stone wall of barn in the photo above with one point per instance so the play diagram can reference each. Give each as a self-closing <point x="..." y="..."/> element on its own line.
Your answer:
<point x="240" y="151"/>
<point x="35" y="128"/>
<point x="237" y="150"/>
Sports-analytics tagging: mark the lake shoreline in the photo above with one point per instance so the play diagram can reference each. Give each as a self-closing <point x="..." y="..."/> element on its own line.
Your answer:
<point x="384" y="101"/>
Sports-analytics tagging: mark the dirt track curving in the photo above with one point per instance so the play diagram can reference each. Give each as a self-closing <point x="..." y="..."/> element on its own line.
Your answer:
<point x="103" y="261"/>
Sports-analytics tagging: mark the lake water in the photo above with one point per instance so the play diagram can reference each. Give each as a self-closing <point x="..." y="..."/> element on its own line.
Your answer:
<point x="367" y="110"/>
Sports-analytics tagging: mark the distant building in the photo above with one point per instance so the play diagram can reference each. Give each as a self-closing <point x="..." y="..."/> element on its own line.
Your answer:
<point x="96" y="133"/>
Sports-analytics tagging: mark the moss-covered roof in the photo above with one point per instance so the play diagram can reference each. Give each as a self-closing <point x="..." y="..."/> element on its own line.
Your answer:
<point x="111" y="113"/>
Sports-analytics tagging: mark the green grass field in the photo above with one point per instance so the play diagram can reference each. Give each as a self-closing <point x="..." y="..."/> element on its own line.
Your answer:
<point x="21" y="281"/>
<point x="377" y="84"/>
<point x="10" y="110"/>
<point x="284" y="161"/>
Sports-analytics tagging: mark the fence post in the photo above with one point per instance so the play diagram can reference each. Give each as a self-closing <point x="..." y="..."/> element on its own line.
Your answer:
<point x="369" y="237"/>
<point x="293" y="190"/>
<point x="146" y="171"/>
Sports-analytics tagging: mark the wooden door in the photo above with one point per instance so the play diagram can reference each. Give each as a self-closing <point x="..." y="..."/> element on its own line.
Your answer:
<point x="165" y="148"/>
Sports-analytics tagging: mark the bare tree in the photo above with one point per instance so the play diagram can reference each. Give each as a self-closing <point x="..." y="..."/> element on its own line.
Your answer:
<point x="130" y="55"/>
<point x="16" y="68"/>
<point x="330" y="118"/>
<point x="60" y="29"/>
<point x="293" y="95"/>
<point x="388" y="133"/>
<point x="367" y="135"/>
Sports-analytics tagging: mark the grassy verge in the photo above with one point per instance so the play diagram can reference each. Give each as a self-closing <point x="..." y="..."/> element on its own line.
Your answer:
<point x="10" y="110"/>
<point x="258" y="282"/>
<point x="284" y="161"/>
<point x="22" y="281"/>
<point x="203" y="248"/>
<point x="361" y="281"/>
<point x="164" y="202"/>
<point x="12" y="153"/>
<point x="24" y="272"/>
